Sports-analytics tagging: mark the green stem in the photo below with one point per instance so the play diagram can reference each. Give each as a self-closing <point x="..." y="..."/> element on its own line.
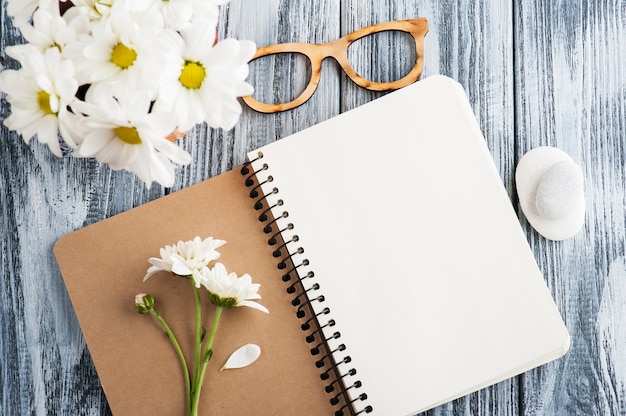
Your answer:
<point x="179" y="352"/>
<point x="197" y="362"/>
<point x="208" y="352"/>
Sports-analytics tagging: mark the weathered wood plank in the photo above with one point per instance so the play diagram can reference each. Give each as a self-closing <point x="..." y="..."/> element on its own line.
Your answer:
<point x="571" y="93"/>
<point x="45" y="367"/>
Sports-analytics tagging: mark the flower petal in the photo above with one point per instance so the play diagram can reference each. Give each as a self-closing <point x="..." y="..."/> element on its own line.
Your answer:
<point x="243" y="357"/>
<point x="253" y="305"/>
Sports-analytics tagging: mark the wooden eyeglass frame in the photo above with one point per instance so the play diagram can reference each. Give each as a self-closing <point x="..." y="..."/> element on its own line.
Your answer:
<point x="338" y="49"/>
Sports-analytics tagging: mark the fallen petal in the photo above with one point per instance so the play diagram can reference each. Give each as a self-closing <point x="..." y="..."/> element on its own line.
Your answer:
<point x="243" y="357"/>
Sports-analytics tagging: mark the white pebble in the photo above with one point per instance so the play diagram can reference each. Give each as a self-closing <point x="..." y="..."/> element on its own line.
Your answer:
<point x="551" y="192"/>
<point x="558" y="190"/>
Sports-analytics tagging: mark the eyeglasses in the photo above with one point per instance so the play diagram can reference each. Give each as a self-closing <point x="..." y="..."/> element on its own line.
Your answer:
<point x="316" y="53"/>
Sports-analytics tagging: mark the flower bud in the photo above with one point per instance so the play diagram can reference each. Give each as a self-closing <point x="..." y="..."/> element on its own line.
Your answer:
<point x="144" y="303"/>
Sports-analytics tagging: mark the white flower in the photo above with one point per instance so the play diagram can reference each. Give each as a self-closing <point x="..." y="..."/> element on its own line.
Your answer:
<point x="49" y="29"/>
<point x="97" y="9"/>
<point x="228" y="290"/>
<point x="243" y="357"/>
<point x="179" y="14"/>
<point x="119" y="131"/>
<point x="201" y="82"/>
<point x="147" y="66"/>
<point x="186" y="257"/>
<point x="121" y="51"/>
<point x="39" y="94"/>
<point x="22" y="10"/>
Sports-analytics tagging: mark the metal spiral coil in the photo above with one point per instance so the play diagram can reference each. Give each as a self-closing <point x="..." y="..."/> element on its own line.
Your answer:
<point x="331" y="359"/>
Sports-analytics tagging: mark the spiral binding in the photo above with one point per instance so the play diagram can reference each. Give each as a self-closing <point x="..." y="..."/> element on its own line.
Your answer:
<point x="303" y="298"/>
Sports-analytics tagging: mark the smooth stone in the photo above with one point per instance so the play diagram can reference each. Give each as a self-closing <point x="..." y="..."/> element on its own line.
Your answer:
<point x="558" y="190"/>
<point x="550" y="188"/>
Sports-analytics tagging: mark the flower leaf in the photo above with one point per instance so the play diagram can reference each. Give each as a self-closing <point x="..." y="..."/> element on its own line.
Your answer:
<point x="243" y="357"/>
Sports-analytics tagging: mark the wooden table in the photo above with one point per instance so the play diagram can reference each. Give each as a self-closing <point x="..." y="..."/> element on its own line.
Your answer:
<point x="537" y="73"/>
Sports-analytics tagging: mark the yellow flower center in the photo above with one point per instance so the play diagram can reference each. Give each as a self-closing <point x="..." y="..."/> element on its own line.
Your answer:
<point x="123" y="56"/>
<point x="192" y="75"/>
<point x="128" y="135"/>
<point x="43" y="99"/>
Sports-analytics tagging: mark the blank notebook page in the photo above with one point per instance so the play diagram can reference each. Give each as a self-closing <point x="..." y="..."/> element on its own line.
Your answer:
<point x="416" y="248"/>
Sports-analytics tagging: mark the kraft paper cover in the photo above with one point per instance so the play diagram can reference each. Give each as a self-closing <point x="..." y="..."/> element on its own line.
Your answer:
<point x="103" y="267"/>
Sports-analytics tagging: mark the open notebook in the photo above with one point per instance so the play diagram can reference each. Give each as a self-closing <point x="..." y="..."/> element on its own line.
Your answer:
<point x="403" y="236"/>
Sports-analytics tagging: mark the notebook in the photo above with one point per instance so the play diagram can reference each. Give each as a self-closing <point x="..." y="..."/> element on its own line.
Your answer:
<point x="399" y="277"/>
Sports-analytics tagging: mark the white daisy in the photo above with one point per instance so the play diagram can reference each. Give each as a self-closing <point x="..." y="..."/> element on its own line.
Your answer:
<point x="120" y="51"/>
<point x="49" y="29"/>
<point x="228" y="290"/>
<point x="179" y="14"/>
<point x="200" y="82"/>
<point x="185" y="257"/>
<point x="39" y="94"/>
<point x="22" y="10"/>
<point x="119" y="131"/>
<point x="96" y="9"/>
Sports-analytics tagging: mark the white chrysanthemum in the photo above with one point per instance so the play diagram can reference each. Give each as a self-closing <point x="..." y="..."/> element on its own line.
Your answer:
<point x="121" y="51"/>
<point x="49" y="29"/>
<point x="186" y="257"/>
<point x="201" y="82"/>
<point x="119" y="131"/>
<point x="39" y="94"/>
<point x="96" y="9"/>
<point x="178" y="14"/>
<point x="228" y="290"/>
<point x="22" y="10"/>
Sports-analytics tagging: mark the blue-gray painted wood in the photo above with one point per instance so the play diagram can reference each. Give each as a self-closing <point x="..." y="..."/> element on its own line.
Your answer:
<point x="537" y="73"/>
<point x="570" y="82"/>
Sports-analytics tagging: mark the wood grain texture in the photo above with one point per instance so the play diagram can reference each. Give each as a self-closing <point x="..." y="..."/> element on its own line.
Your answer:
<point x="536" y="72"/>
<point x="571" y="93"/>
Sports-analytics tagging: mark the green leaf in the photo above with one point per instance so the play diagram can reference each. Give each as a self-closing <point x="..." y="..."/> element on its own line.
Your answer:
<point x="208" y="354"/>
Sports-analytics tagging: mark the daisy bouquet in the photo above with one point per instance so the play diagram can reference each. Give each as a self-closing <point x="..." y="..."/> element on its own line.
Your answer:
<point x="118" y="80"/>
<point x="195" y="261"/>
